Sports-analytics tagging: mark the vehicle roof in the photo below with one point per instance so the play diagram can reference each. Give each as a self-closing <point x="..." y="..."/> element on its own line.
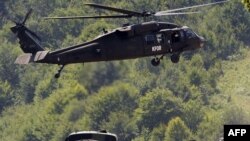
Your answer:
<point x="92" y="132"/>
<point x="103" y="136"/>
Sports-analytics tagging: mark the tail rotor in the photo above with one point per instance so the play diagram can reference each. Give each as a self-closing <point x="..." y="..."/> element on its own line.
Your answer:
<point x="29" y="40"/>
<point x="20" y="25"/>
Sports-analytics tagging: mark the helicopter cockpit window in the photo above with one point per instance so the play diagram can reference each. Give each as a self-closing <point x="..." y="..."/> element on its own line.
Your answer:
<point x="154" y="39"/>
<point x="160" y="38"/>
<point x="150" y="39"/>
<point x="190" y="33"/>
<point x="176" y="37"/>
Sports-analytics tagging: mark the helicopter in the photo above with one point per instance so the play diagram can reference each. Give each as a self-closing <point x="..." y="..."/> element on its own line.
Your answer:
<point x="144" y="39"/>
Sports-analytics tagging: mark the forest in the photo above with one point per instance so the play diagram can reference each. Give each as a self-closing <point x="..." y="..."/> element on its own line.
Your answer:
<point x="191" y="100"/>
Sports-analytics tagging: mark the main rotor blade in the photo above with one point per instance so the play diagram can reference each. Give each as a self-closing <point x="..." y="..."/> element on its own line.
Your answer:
<point x="191" y="7"/>
<point x="89" y="17"/>
<point x="176" y="13"/>
<point x="119" y="10"/>
<point x="27" y="16"/>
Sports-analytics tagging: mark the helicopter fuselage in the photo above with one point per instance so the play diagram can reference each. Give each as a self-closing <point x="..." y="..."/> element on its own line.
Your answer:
<point x="140" y="40"/>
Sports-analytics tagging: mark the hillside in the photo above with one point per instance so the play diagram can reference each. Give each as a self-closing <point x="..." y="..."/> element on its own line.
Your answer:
<point x="235" y="83"/>
<point x="193" y="99"/>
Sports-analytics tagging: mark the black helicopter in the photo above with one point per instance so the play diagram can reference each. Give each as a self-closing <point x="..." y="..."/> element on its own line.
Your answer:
<point x="127" y="42"/>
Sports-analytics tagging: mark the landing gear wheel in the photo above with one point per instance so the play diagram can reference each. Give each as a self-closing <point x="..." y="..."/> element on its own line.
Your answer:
<point x="155" y="62"/>
<point x="57" y="75"/>
<point x="175" y="58"/>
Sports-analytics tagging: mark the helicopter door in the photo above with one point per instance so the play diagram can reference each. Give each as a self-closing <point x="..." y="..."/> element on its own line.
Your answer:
<point x="153" y="43"/>
<point x="177" y="38"/>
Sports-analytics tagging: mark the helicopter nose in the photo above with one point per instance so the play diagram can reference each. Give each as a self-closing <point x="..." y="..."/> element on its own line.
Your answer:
<point x="202" y="41"/>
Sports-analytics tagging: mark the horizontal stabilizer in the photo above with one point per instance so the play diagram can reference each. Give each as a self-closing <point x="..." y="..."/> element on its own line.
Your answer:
<point x="40" y="55"/>
<point x="30" y="58"/>
<point x="24" y="59"/>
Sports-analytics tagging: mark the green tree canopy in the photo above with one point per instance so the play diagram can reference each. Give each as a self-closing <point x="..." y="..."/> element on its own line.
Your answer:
<point x="247" y="4"/>
<point x="177" y="131"/>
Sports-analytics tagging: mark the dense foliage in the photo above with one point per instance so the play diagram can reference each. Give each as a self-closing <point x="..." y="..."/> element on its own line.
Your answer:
<point x="247" y="4"/>
<point x="131" y="98"/>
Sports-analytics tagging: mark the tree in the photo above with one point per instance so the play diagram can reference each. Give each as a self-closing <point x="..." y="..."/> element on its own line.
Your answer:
<point x="156" y="107"/>
<point x="192" y="114"/>
<point x="247" y="4"/>
<point x="122" y="125"/>
<point x="211" y="127"/>
<point x="158" y="133"/>
<point x="117" y="97"/>
<point x="6" y="95"/>
<point x="177" y="131"/>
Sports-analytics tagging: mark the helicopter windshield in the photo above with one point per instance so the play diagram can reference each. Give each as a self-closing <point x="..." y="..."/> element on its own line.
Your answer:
<point x="190" y="33"/>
